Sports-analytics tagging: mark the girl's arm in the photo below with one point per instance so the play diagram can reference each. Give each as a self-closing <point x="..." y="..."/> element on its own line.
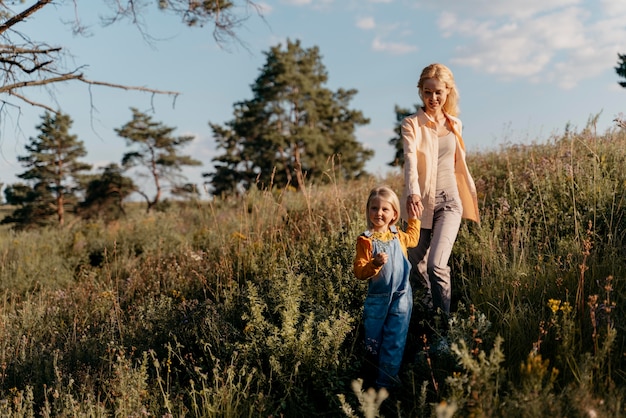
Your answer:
<point x="411" y="236"/>
<point x="364" y="266"/>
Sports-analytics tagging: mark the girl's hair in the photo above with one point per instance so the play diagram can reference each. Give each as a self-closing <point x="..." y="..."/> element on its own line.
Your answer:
<point x="386" y="194"/>
<point x="443" y="74"/>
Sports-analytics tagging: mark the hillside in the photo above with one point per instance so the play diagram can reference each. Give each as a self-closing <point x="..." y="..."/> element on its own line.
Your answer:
<point x="248" y="306"/>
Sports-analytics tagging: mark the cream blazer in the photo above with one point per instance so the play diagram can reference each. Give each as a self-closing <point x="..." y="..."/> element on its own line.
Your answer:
<point x="421" y="152"/>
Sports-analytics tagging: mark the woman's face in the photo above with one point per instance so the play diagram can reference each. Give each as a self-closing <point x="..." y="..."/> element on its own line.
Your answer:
<point x="434" y="94"/>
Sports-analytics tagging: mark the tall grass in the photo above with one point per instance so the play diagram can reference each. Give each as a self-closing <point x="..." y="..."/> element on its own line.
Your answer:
<point x="248" y="306"/>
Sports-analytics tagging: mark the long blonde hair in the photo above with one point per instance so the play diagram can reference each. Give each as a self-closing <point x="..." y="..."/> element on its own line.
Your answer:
<point x="389" y="196"/>
<point x="443" y="74"/>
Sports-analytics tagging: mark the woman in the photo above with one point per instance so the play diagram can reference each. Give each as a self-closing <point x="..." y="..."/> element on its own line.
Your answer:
<point x="438" y="183"/>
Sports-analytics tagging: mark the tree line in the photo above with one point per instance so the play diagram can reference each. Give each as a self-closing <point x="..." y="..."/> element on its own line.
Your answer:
<point x="56" y="179"/>
<point x="294" y="129"/>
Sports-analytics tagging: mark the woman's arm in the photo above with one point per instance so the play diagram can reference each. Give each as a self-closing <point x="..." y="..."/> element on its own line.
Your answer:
<point x="411" y="183"/>
<point x="409" y="145"/>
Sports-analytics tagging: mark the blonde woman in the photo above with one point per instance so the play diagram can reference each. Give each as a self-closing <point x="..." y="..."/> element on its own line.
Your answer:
<point x="438" y="183"/>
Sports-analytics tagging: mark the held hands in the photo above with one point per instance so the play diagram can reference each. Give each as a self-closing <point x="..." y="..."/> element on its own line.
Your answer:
<point x="380" y="259"/>
<point x="414" y="206"/>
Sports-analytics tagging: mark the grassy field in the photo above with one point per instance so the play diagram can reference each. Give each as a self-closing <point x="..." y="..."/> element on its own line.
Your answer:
<point x="247" y="307"/>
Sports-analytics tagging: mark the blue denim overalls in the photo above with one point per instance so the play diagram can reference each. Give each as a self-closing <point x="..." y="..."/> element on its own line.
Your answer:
<point x="387" y="309"/>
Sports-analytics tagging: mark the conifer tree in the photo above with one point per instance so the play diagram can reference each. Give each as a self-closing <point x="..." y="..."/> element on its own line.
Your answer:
<point x="156" y="152"/>
<point x="53" y="174"/>
<point x="293" y="128"/>
<point x="105" y="193"/>
<point x="396" y="141"/>
<point x="621" y="69"/>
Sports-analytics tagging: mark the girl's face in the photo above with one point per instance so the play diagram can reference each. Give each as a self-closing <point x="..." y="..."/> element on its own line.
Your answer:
<point x="434" y="95"/>
<point x="381" y="213"/>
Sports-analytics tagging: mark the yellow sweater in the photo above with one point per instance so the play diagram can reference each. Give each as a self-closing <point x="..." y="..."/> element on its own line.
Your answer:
<point x="364" y="267"/>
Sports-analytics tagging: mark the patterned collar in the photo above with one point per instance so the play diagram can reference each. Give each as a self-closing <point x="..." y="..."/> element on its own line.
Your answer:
<point x="382" y="236"/>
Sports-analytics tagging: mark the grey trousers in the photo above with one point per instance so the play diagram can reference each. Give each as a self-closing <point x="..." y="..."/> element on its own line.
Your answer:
<point x="429" y="259"/>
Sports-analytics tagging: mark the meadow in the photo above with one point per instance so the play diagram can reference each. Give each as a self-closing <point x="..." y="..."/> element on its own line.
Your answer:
<point x="247" y="306"/>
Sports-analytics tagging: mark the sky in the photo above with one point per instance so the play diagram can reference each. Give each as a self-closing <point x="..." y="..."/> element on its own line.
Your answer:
<point x="525" y="69"/>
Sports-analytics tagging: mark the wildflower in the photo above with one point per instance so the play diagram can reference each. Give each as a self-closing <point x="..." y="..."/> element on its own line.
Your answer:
<point x="195" y="256"/>
<point x="554" y="305"/>
<point x="444" y="409"/>
<point x="239" y="235"/>
<point x="593" y="301"/>
<point x="107" y="294"/>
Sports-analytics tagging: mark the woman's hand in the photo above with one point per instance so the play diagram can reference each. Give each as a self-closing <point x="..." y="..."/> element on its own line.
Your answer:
<point x="414" y="206"/>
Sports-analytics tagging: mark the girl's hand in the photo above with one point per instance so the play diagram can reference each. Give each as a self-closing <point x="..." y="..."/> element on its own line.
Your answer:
<point x="380" y="259"/>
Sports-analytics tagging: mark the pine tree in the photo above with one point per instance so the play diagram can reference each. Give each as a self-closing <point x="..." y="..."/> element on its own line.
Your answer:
<point x="621" y="68"/>
<point x="156" y="152"/>
<point x="53" y="175"/>
<point x="293" y="128"/>
<point x="396" y="141"/>
<point x="105" y="193"/>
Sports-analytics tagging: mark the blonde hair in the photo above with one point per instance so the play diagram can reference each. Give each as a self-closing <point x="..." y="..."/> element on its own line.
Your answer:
<point x="443" y="74"/>
<point x="386" y="194"/>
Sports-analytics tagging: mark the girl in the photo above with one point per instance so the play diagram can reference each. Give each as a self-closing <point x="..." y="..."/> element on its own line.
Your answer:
<point x="381" y="258"/>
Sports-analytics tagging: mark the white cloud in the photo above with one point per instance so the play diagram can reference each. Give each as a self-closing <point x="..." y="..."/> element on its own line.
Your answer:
<point x="366" y="23"/>
<point x="614" y="7"/>
<point x="516" y="9"/>
<point x="555" y="41"/>
<point x="315" y="4"/>
<point x="558" y="41"/>
<point x="395" y="48"/>
<point x="297" y="2"/>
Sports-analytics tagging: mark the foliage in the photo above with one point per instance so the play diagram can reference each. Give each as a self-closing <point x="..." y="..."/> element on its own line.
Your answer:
<point x="54" y="173"/>
<point x="224" y="16"/>
<point x="246" y="306"/>
<point x="27" y="62"/>
<point x="156" y="152"/>
<point x="396" y="141"/>
<point x="105" y="193"/>
<point x="621" y="68"/>
<point x="293" y="126"/>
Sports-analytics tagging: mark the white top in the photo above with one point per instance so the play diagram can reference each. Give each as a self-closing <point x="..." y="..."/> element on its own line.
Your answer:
<point x="446" y="180"/>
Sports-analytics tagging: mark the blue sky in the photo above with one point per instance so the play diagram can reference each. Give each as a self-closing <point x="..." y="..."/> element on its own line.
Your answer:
<point x="524" y="69"/>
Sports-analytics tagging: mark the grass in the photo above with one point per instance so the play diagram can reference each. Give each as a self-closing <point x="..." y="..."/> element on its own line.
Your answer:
<point x="248" y="306"/>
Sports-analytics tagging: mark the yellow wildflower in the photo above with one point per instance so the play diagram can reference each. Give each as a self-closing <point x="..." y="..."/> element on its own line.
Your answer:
<point x="554" y="305"/>
<point x="239" y="235"/>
